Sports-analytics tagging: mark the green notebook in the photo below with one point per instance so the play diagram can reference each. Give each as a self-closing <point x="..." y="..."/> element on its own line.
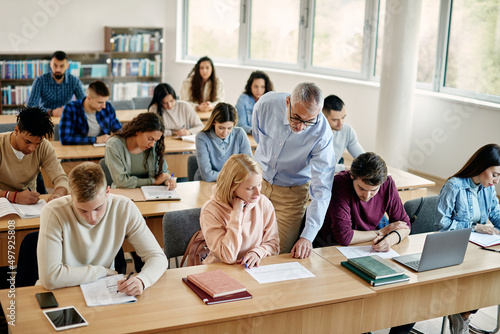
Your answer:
<point x="376" y="267"/>
<point x="375" y="282"/>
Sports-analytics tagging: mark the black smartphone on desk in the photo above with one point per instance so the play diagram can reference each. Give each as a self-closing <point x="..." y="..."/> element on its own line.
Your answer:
<point x="46" y="300"/>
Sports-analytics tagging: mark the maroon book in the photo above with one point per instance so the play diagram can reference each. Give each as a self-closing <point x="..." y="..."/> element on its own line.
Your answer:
<point x="207" y="299"/>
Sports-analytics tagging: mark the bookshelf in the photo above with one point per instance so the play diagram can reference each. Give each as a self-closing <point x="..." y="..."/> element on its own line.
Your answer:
<point x="131" y="66"/>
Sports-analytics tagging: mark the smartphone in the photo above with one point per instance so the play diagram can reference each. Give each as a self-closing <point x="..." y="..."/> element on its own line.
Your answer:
<point x="65" y="318"/>
<point x="46" y="300"/>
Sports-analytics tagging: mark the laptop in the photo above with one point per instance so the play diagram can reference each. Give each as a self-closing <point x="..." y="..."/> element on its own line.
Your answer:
<point x="441" y="249"/>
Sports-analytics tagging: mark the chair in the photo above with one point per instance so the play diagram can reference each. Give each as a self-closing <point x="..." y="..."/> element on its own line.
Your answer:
<point x="422" y="212"/>
<point x="123" y="105"/>
<point x="142" y="102"/>
<point x="178" y="228"/>
<point x="56" y="132"/>
<point x="40" y="184"/>
<point x="7" y="127"/>
<point x="109" y="179"/>
<point x="192" y="167"/>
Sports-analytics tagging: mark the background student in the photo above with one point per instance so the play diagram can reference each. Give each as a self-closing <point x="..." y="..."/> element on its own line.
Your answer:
<point x="238" y="223"/>
<point x="467" y="200"/>
<point x="179" y="117"/>
<point x="257" y="85"/>
<point x="202" y="88"/>
<point x="344" y="136"/>
<point x="52" y="90"/>
<point x="81" y="234"/>
<point x="23" y="152"/>
<point x="91" y="120"/>
<point x="135" y="156"/>
<point x="218" y="141"/>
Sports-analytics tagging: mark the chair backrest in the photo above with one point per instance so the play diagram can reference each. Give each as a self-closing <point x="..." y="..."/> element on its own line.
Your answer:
<point x="27" y="265"/>
<point x="192" y="167"/>
<point x="109" y="179"/>
<point x="56" y="132"/>
<point x="422" y="212"/>
<point x="142" y="102"/>
<point x="178" y="228"/>
<point x="123" y="105"/>
<point x="7" y="127"/>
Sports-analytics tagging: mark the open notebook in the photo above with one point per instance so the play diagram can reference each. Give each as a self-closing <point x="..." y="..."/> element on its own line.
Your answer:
<point x="22" y="210"/>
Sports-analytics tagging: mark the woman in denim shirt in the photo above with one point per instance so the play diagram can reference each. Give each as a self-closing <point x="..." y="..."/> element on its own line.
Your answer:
<point x="468" y="199"/>
<point x="257" y="85"/>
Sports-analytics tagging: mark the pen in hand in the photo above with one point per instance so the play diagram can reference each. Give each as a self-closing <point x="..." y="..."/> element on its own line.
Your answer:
<point x="126" y="279"/>
<point x="385" y="236"/>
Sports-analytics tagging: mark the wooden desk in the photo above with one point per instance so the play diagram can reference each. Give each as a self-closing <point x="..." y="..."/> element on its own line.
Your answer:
<point x="331" y="302"/>
<point x="193" y="195"/>
<point x="430" y="294"/>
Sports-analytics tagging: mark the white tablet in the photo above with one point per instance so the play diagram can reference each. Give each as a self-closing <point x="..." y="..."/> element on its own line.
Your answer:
<point x="65" y="318"/>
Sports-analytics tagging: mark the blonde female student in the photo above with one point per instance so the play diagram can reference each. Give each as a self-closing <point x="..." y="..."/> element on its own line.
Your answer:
<point x="202" y="88"/>
<point x="238" y="223"/>
<point x="135" y="156"/>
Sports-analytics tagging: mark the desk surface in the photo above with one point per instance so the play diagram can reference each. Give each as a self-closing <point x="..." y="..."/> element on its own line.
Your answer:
<point x="171" y="305"/>
<point x="193" y="195"/>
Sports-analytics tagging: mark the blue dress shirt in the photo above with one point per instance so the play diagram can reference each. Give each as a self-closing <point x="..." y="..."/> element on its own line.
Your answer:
<point x="244" y="107"/>
<point x="47" y="94"/>
<point x="74" y="127"/>
<point x="212" y="152"/>
<point x="291" y="159"/>
<point x="455" y="209"/>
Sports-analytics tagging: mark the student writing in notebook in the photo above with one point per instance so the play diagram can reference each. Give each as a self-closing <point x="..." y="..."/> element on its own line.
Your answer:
<point x="202" y="88"/>
<point x="81" y="234"/>
<point x="23" y="152"/>
<point x="179" y="117"/>
<point x="91" y="120"/>
<point x="238" y="222"/>
<point x="218" y="141"/>
<point x="468" y="199"/>
<point x="257" y="85"/>
<point x="135" y="155"/>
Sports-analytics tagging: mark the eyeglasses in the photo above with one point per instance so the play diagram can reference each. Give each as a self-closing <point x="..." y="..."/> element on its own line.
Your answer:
<point x="296" y="120"/>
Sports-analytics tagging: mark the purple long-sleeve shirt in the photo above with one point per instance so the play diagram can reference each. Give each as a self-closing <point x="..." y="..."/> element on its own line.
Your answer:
<point x="347" y="212"/>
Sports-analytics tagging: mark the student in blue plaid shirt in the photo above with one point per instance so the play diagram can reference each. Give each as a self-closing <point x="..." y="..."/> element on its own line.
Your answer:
<point x="54" y="89"/>
<point x="91" y="120"/>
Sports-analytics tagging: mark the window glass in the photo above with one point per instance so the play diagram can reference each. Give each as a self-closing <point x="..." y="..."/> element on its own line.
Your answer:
<point x="274" y="30"/>
<point x="473" y="60"/>
<point x="213" y="28"/>
<point x="338" y="34"/>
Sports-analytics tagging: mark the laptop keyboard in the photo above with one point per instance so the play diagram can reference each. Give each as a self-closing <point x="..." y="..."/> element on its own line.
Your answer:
<point x="413" y="264"/>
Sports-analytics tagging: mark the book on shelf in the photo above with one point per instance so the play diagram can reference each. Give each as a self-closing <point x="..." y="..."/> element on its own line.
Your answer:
<point x="484" y="240"/>
<point x="22" y="210"/>
<point x="207" y="299"/>
<point x="372" y="281"/>
<point x="376" y="267"/>
<point x="216" y="283"/>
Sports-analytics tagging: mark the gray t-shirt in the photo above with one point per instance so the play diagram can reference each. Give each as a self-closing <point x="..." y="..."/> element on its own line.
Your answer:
<point x="94" y="127"/>
<point x="345" y="139"/>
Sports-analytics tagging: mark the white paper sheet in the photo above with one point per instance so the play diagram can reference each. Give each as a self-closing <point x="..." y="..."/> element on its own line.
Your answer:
<point x="279" y="272"/>
<point x="358" y="251"/>
<point x="103" y="292"/>
<point x="159" y="192"/>
<point x="484" y="240"/>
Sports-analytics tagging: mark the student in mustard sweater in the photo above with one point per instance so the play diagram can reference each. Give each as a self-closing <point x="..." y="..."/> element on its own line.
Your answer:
<point x="238" y="223"/>
<point x="81" y="234"/>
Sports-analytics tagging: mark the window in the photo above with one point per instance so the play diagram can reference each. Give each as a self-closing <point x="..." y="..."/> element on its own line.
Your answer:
<point x="459" y="49"/>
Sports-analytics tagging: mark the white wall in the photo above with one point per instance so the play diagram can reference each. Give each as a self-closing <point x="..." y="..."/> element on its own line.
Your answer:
<point x="445" y="131"/>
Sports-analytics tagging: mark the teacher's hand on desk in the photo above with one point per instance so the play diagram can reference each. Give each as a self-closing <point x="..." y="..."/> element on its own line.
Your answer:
<point x="486" y="229"/>
<point x="302" y="249"/>
<point x="132" y="286"/>
<point x="26" y="197"/>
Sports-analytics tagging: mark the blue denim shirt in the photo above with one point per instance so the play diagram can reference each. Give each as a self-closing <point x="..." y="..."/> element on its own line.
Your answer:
<point x="244" y="107"/>
<point x="455" y="209"/>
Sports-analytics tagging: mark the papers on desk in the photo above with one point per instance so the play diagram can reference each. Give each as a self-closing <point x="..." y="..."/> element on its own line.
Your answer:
<point x="358" y="251"/>
<point x="103" y="292"/>
<point x="99" y="144"/>
<point x="484" y="240"/>
<point x="279" y="272"/>
<point x="153" y="193"/>
<point x="22" y="210"/>
<point x="189" y="138"/>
